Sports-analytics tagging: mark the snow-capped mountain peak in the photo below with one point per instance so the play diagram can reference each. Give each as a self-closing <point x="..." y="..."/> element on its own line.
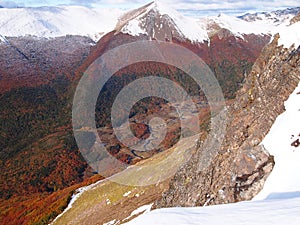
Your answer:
<point x="160" y="21"/>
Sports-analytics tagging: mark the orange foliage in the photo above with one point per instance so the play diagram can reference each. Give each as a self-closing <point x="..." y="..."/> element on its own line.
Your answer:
<point x="39" y="208"/>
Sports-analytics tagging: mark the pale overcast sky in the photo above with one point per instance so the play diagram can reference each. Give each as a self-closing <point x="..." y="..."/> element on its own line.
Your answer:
<point x="187" y="6"/>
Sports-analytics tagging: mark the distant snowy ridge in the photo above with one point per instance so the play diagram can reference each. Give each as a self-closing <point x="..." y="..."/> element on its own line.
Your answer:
<point x="237" y="26"/>
<point x="57" y="21"/>
<point x="275" y="17"/>
<point x="259" y="23"/>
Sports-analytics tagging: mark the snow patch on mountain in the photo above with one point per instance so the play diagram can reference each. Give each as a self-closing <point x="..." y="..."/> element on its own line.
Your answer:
<point x="290" y="35"/>
<point x="133" y="28"/>
<point x="143" y="209"/>
<point x="57" y="21"/>
<point x="279" y="143"/>
<point x="268" y="212"/>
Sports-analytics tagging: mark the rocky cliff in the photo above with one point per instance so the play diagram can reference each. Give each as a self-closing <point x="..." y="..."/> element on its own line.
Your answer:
<point x="242" y="164"/>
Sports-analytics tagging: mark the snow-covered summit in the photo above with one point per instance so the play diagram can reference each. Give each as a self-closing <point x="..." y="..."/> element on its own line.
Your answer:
<point x="57" y="21"/>
<point x="161" y="21"/>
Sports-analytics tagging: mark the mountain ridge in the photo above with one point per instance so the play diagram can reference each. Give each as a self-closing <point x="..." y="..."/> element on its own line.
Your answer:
<point x="55" y="21"/>
<point x="271" y="16"/>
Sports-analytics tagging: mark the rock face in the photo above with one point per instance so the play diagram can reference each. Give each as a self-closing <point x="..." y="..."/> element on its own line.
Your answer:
<point x="295" y="19"/>
<point x="242" y="165"/>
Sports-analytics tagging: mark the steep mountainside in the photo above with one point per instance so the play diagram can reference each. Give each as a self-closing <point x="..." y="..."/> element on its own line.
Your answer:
<point x="239" y="170"/>
<point x="30" y="61"/>
<point x="36" y="140"/>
